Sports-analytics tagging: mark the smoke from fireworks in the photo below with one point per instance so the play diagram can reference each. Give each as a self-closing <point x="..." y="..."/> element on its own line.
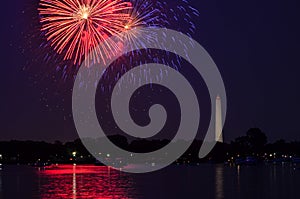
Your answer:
<point x="76" y="27"/>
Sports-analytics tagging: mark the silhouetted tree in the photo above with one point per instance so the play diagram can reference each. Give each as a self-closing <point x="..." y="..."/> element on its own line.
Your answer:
<point x="257" y="139"/>
<point x="241" y="145"/>
<point x="254" y="141"/>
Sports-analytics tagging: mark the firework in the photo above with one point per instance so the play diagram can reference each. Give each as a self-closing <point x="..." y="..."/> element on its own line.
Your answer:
<point x="76" y="27"/>
<point x="144" y="13"/>
<point x="177" y="15"/>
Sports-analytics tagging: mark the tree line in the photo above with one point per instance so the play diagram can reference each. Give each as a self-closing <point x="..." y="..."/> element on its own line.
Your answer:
<point x="254" y="142"/>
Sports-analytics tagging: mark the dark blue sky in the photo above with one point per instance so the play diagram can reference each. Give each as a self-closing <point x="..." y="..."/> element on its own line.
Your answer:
<point x="254" y="43"/>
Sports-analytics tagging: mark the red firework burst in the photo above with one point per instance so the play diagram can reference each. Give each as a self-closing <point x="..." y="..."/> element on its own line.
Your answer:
<point x="76" y="27"/>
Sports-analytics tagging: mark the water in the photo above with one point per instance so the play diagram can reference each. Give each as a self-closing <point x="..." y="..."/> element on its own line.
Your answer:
<point x="204" y="181"/>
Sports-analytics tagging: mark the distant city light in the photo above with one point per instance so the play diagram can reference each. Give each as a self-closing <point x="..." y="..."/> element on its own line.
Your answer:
<point x="74" y="154"/>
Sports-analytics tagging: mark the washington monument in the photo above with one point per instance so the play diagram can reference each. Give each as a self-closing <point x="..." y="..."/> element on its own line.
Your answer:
<point x="218" y="125"/>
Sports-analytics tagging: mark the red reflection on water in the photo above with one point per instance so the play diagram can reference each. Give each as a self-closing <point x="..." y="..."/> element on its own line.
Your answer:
<point x="85" y="181"/>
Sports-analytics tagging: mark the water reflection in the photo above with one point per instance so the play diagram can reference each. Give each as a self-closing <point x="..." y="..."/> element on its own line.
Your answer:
<point x="238" y="168"/>
<point x="219" y="179"/>
<point x="0" y="181"/>
<point x="74" y="181"/>
<point x="68" y="181"/>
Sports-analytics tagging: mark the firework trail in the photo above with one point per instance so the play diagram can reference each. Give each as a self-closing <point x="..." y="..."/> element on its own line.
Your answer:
<point x="76" y="27"/>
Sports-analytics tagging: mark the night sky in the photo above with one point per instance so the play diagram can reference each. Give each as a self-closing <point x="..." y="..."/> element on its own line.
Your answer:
<point x="254" y="44"/>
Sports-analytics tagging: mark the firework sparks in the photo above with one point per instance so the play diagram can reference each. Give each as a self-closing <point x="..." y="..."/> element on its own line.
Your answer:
<point x="152" y="14"/>
<point x="144" y="13"/>
<point x="76" y="27"/>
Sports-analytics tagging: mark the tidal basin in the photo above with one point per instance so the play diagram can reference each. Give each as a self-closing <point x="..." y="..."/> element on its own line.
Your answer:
<point x="202" y="181"/>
